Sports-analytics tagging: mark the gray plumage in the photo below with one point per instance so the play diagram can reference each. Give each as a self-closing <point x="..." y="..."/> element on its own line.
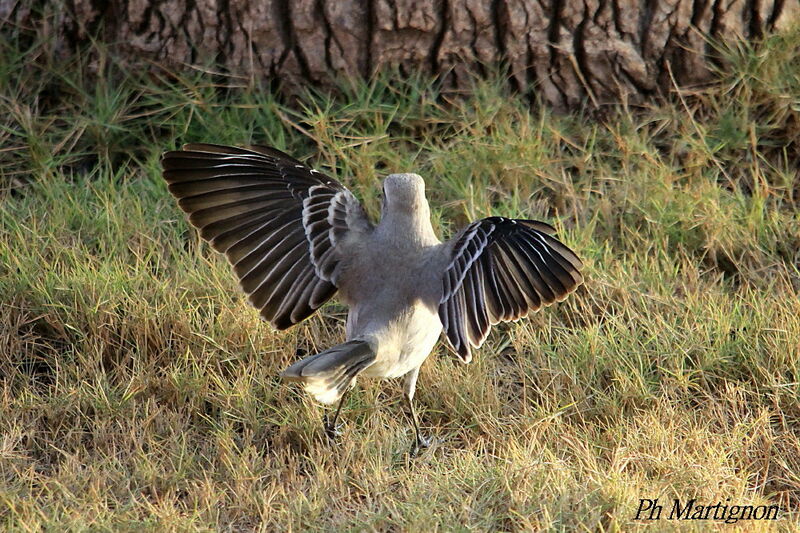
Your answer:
<point x="296" y="236"/>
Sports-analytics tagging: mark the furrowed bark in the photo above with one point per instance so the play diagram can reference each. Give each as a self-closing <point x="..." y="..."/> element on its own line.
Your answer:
<point x="566" y="52"/>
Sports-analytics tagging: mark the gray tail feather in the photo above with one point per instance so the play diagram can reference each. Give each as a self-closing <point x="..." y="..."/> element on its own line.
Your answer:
<point x="328" y="374"/>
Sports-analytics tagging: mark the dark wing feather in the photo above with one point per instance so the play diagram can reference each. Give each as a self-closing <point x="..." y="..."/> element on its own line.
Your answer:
<point x="283" y="226"/>
<point x="502" y="269"/>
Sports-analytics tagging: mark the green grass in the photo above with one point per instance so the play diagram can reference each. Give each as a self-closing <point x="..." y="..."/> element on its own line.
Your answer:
<point x="138" y="391"/>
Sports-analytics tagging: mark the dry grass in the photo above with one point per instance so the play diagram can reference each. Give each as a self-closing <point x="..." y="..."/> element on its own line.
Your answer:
<point x="139" y="392"/>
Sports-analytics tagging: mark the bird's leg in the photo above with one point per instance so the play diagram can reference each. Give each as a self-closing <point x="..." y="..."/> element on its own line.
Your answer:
<point x="419" y="441"/>
<point x="410" y="388"/>
<point x="330" y="426"/>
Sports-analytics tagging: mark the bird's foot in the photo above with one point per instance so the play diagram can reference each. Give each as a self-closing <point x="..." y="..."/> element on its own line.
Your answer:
<point x="420" y="443"/>
<point x="332" y="431"/>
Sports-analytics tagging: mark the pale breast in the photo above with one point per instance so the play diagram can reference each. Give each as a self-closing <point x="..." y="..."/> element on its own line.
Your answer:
<point x="405" y="343"/>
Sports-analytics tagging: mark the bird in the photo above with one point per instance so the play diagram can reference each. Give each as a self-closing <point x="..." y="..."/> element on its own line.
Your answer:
<point x="295" y="237"/>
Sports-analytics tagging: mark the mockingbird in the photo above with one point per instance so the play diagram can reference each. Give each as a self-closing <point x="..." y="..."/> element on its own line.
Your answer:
<point x="296" y="236"/>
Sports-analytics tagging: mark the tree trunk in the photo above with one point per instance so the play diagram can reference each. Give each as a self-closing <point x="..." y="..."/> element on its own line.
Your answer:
<point x="566" y="52"/>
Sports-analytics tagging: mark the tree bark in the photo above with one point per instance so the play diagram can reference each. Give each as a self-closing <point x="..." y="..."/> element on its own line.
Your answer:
<point x="566" y="52"/>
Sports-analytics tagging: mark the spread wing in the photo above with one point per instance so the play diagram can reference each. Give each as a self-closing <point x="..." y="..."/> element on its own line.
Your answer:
<point x="502" y="269"/>
<point x="283" y="226"/>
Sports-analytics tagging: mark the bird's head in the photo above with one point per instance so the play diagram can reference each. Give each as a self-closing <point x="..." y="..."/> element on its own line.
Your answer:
<point x="405" y="192"/>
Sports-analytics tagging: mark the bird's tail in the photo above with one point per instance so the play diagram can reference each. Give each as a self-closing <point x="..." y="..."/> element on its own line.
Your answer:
<point x="328" y="374"/>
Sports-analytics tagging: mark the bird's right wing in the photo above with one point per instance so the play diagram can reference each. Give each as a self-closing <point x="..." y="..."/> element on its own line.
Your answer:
<point x="283" y="226"/>
<point x="502" y="269"/>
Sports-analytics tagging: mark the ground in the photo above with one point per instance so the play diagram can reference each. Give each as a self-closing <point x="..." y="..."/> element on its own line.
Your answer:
<point x="138" y="391"/>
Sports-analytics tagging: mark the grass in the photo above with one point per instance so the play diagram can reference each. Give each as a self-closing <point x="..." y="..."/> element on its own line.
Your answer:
<point x="138" y="391"/>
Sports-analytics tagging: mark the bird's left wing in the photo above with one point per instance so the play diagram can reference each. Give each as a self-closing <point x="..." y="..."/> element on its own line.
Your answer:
<point x="502" y="269"/>
<point x="283" y="226"/>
